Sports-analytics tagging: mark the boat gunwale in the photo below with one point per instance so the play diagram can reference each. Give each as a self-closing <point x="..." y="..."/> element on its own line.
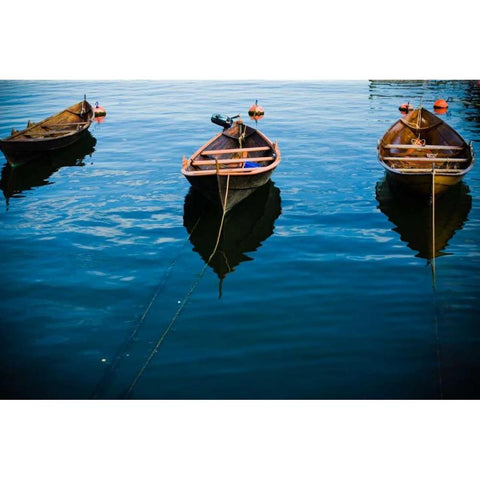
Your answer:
<point x="438" y="172"/>
<point x="84" y="125"/>
<point x="384" y="146"/>
<point x="233" y="172"/>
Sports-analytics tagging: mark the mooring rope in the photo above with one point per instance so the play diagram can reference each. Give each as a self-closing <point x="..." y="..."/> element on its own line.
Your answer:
<point x="164" y="334"/>
<point x="434" y="283"/>
<point x="433" y="227"/>
<point x="224" y="211"/>
<point x="187" y="296"/>
<point x="118" y="357"/>
<point x="241" y="136"/>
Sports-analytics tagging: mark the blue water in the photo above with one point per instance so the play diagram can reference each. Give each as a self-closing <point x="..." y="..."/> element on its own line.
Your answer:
<point x="326" y="289"/>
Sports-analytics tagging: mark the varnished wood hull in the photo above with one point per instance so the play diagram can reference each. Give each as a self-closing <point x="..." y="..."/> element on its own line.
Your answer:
<point x="214" y="187"/>
<point x="421" y="184"/>
<point x="423" y="155"/>
<point x="25" y="148"/>
<point x="222" y="168"/>
<point x="54" y="133"/>
<point x="36" y="169"/>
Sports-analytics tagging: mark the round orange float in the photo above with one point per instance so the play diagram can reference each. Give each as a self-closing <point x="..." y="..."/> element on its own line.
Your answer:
<point x="441" y="111"/>
<point x="440" y="104"/>
<point x="256" y="111"/>
<point x="405" y="107"/>
<point x="99" y="111"/>
<point x="256" y="117"/>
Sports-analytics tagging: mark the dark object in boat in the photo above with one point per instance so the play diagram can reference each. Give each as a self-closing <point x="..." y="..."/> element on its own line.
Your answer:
<point x="232" y="165"/>
<point x="223" y="120"/>
<point x="413" y="221"/>
<point x="244" y="229"/>
<point x="53" y="133"/>
<point x="420" y="151"/>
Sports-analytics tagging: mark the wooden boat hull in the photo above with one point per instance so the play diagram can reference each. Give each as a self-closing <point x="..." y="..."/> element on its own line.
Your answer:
<point x="36" y="169"/>
<point x="45" y="146"/>
<point x="232" y="165"/>
<point x="56" y="132"/>
<point x="423" y="155"/>
<point x="420" y="184"/>
<point x="239" y="187"/>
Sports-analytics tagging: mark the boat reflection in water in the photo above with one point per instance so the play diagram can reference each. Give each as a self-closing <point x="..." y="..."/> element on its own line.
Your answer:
<point x="413" y="219"/>
<point x="245" y="227"/>
<point x="33" y="170"/>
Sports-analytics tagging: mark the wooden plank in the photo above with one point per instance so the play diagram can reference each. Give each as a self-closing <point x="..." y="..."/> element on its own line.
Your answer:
<point x="48" y="125"/>
<point x="438" y="171"/>
<point x="230" y="160"/>
<point x="235" y="150"/>
<point x="224" y="171"/>
<point x="49" y="133"/>
<point x="425" y="159"/>
<point x="431" y="147"/>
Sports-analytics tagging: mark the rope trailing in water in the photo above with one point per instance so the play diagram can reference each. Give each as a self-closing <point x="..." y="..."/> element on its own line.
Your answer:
<point x="108" y="373"/>
<point x="164" y="334"/>
<point x="187" y="296"/>
<point x="434" y="283"/>
<point x="194" y="285"/>
<point x="433" y="227"/>
<point x="224" y="211"/>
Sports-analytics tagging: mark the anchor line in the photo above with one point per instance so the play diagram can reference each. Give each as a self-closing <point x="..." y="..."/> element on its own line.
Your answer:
<point x="434" y="284"/>
<point x="126" y="345"/>
<point x="187" y="296"/>
<point x="164" y="334"/>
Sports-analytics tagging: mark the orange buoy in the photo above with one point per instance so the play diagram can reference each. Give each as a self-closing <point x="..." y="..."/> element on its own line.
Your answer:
<point x="99" y="111"/>
<point x="441" y="111"/>
<point x="256" y="111"/>
<point x="405" y="107"/>
<point x="440" y="104"/>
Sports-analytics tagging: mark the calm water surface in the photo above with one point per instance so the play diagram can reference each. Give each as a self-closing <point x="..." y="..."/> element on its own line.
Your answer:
<point x="322" y="287"/>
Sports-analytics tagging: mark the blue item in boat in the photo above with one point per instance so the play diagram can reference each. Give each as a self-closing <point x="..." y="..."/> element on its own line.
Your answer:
<point x="251" y="165"/>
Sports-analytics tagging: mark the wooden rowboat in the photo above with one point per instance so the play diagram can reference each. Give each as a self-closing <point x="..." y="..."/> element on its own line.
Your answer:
<point x="424" y="154"/>
<point x="55" y="132"/>
<point x="233" y="164"/>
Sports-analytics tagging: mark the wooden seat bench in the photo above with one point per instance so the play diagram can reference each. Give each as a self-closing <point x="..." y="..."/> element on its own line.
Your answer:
<point x="49" y="133"/>
<point x="48" y="125"/>
<point x="225" y="171"/>
<point x="419" y="147"/>
<point x="438" y="171"/>
<point x="426" y="159"/>
<point x="235" y="150"/>
<point x="230" y="160"/>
